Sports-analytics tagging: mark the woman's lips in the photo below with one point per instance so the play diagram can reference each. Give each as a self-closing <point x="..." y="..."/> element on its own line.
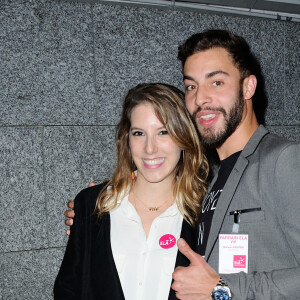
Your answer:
<point x="153" y="163"/>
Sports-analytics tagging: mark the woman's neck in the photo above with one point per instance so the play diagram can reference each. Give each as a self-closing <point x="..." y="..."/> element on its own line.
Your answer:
<point x="153" y="193"/>
<point x="151" y="200"/>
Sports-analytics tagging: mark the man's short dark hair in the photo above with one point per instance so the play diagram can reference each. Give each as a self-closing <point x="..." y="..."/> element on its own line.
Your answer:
<point x="235" y="45"/>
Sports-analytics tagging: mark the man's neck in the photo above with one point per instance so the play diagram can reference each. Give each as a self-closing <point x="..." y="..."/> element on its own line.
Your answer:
<point x="239" y="138"/>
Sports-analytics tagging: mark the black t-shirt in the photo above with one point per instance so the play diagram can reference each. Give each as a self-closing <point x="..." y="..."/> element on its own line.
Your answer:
<point x="210" y="202"/>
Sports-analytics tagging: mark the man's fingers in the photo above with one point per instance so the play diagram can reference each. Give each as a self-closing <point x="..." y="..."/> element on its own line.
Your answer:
<point x="70" y="204"/>
<point x="176" y="285"/>
<point x="69" y="222"/>
<point x="179" y="268"/>
<point x="194" y="258"/>
<point x="69" y="214"/>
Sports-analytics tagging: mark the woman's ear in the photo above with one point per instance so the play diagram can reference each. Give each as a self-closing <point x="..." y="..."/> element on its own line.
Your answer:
<point x="249" y="87"/>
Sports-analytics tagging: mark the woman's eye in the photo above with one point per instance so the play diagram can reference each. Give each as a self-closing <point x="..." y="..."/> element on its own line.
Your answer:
<point x="164" y="132"/>
<point x="137" y="133"/>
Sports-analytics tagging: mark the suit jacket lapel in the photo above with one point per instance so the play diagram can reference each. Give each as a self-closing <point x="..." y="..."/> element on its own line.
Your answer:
<point x="230" y="188"/>
<point x="223" y="203"/>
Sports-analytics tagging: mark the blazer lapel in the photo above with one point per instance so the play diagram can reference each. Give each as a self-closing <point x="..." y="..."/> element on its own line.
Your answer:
<point x="107" y="282"/>
<point x="230" y="188"/>
<point x="188" y="233"/>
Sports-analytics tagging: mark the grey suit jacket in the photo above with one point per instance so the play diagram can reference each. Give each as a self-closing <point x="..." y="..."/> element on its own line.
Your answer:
<point x="266" y="175"/>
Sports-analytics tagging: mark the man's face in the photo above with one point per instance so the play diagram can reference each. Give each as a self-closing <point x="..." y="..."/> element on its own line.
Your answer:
<point x="214" y="94"/>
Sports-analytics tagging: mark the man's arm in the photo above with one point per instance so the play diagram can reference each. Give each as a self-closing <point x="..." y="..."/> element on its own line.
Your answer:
<point x="198" y="280"/>
<point x="194" y="282"/>
<point x="281" y="283"/>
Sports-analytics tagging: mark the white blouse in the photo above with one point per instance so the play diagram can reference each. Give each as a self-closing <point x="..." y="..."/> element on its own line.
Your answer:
<point x="145" y="266"/>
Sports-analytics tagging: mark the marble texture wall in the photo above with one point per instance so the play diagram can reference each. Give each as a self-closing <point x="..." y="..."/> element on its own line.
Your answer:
<point x="65" y="67"/>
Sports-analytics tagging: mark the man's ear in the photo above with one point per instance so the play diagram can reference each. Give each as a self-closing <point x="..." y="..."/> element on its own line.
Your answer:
<point x="249" y="87"/>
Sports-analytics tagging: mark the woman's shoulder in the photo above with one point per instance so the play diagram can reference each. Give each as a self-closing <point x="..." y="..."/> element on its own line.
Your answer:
<point x="86" y="198"/>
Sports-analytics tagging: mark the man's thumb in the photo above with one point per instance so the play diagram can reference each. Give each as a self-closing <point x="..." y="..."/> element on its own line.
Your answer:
<point x="185" y="249"/>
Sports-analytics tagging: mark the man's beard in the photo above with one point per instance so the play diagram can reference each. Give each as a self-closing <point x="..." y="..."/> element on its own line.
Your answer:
<point x="212" y="139"/>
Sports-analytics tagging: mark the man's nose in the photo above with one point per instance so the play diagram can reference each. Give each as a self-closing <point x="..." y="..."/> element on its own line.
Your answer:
<point x="202" y="96"/>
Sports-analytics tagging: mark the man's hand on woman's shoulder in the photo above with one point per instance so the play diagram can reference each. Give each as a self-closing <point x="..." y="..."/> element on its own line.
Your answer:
<point x="70" y="214"/>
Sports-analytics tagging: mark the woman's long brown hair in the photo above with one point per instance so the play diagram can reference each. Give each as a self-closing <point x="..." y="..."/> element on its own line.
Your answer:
<point x="192" y="168"/>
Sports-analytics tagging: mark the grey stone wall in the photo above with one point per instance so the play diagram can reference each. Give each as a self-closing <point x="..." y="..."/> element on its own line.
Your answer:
<point x="64" y="70"/>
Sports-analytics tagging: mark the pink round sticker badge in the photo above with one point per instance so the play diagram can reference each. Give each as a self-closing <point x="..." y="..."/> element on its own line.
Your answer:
<point x="167" y="241"/>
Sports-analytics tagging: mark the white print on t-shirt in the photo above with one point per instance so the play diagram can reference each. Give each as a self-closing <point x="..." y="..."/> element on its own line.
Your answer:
<point x="210" y="200"/>
<point x="201" y="233"/>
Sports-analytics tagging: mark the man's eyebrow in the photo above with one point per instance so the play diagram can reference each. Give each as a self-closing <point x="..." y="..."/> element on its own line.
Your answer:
<point x="208" y="75"/>
<point x="211" y="74"/>
<point x="186" y="77"/>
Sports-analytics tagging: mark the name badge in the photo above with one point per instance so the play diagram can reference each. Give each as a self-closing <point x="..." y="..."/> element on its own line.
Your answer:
<point x="233" y="253"/>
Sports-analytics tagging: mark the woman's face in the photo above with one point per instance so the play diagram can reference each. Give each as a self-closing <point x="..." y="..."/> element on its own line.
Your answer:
<point x="154" y="153"/>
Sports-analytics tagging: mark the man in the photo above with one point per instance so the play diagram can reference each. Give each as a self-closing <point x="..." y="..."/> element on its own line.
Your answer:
<point x="248" y="230"/>
<point x="249" y="220"/>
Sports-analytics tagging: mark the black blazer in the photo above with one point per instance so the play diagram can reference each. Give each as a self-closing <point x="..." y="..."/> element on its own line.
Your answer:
<point x="88" y="270"/>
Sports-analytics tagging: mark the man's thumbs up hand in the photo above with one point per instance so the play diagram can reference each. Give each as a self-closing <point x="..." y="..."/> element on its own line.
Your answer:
<point x="194" y="258"/>
<point x="195" y="281"/>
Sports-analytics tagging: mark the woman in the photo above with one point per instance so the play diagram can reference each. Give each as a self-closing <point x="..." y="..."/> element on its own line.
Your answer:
<point x="123" y="240"/>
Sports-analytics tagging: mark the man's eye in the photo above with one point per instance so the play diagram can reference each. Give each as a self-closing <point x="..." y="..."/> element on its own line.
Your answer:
<point x="137" y="133"/>
<point x="190" y="87"/>
<point x="217" y="83"/>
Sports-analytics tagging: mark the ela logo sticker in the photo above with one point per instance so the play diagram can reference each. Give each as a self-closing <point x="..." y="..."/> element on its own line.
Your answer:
<point x="167" y="241"/>
<point x="239" y="261"/>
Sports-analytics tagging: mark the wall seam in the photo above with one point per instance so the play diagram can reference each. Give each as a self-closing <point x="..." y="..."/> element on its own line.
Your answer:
<point x="284" y="72"/>
<point x="44" y="187"/>
<point x="94" y="64"/>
